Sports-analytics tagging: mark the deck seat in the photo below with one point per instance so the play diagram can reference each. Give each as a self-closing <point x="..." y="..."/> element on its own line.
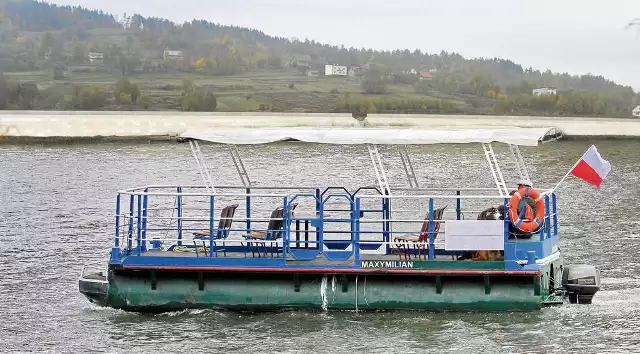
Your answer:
<point x="221" y="233"/>
<point x="275" y="228"/>
<point x="418" y="242"/>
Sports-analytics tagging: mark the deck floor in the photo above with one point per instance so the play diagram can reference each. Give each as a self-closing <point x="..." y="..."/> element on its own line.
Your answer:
<point x="319" y="260"/>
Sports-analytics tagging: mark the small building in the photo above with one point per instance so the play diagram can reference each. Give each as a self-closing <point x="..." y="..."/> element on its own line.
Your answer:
<point x="636" y="112"/>
<point x="313" y="73"/>
<point x="354" y="71"/>
<point x="172" y="54"/>
<point x="302" y="61"/>
<point x="335" y="70"/>
<point x="96" y="57"/>
<point x="425" y="75"/>
<point x="544" y="91"/>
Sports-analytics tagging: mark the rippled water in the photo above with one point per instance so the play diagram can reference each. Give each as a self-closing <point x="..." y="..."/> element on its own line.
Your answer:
<point x="57" y="206"/>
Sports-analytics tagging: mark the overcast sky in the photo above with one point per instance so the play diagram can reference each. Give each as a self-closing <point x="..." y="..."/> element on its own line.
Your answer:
<point x="575" y="36"/>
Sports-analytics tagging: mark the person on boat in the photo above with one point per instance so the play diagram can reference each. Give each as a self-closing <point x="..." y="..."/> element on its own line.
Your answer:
<point x="530" y="206"/>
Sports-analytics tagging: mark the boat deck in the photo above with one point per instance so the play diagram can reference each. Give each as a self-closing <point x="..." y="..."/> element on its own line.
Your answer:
<point x="318" y="260"/>
<point x="368" y="262"/>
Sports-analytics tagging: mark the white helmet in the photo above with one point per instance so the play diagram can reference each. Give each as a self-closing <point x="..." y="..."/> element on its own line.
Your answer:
<point x="524" y="182"/>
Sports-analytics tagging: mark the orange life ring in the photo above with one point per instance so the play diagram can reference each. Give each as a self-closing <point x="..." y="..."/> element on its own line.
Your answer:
<point x="528" y="223"/>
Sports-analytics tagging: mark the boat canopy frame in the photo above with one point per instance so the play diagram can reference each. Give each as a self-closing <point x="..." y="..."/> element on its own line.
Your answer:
<point x="372" y="137"/>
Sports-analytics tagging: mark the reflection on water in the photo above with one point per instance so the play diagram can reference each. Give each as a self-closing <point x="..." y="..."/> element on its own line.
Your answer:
<point x="57" y="215"/>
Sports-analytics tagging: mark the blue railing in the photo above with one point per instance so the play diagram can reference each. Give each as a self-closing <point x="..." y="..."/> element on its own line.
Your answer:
<point x="317" y="227"/>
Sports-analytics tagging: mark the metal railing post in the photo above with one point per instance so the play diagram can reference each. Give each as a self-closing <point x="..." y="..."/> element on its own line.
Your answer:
<point x="130" y="236"/>
<point x="117" y="238"/>
<point x="458" y="206"/>
<point x="431" y="238"/>
<point x="555" y="214"/>
<point x="318" y="203"/>
<point x="548" y="216"/>
<point x="138" y="223"/>
<point x="145" y="201"/>
<point x="211" y="223"/>
<point x="320" y="228"/>
<point x="356" y="230"/>
<point x="286" y="218"/>
<point x="386" y="225"/>
<point x="179" y="206"/>
<point x="248" y="210"/>
<point x="506" y="227"/>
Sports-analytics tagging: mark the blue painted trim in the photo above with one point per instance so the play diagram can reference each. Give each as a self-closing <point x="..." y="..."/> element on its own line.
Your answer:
<point x="130" y="236"/>
<point x="286" y="219"/>
<point x="547" y="216"/>
<point x="555" y="214"/>
<point x="340" y="255"/>
<point x="139" y="228"/>
<point x="179" y="200"/>
<point x="356" y="222"/>
<point x="386" y="225"/>
<point x="506" y="229"/>
<point x="117" y="237"/>
<point x="248" y="210"/>
<point x="211" y="225"/>
<point x="517" y="250"/>
<point x="431" y="238"/>
<point x="145" y="202"/>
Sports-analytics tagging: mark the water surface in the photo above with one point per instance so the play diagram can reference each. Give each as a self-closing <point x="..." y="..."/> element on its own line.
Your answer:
<point x="57" y="214"/>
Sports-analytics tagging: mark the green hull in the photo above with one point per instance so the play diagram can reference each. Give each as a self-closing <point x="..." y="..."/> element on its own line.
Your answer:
<point x="371" y="292"/>
<point x="442" y="289"/>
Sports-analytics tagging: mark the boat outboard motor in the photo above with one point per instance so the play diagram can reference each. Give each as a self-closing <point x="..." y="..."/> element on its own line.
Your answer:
<point x="581" y="282"/>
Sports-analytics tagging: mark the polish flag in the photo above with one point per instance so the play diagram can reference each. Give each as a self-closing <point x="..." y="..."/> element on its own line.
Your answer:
<point x="591" y="167"/>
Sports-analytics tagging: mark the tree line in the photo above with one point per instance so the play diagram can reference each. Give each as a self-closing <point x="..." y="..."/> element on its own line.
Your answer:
<point x="470" y="85"/>
<point x="229" y="50"/>
<point x="123" y="95"/>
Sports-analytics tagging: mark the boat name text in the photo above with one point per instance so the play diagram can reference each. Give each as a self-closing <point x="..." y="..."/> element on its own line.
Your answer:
<point x="386" y="264"/>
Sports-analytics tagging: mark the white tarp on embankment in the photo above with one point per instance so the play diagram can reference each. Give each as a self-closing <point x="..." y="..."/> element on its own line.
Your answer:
<point x="382" y="136"/>
<point x="144" y="124"/>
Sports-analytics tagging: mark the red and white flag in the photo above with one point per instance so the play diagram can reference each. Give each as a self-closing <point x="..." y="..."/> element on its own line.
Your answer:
<point x="591" y="167"/>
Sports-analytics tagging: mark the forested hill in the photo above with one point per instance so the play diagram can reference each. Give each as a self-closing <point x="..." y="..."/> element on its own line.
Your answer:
<point x="36" y="36"/>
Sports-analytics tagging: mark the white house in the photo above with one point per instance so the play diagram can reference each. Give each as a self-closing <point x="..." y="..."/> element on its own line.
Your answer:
<point x="335" y="70"/>
<point x="95" y="57"/>
<point x="172" y="54"/>
<point x="636" y="112"/>
<point x="544" y="91"/>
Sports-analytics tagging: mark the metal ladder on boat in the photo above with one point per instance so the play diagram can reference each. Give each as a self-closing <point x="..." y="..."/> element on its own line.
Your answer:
<point x="520" y="166"/>
<point x="495" y="169"/>
<point x="408" y="167"/>
<point x="237" y="161"/>
<point x="378" y="168"/>
<point x="202" y="166"/>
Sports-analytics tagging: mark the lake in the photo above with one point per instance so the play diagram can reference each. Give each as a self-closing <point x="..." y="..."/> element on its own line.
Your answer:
<point x="57" y="214"/>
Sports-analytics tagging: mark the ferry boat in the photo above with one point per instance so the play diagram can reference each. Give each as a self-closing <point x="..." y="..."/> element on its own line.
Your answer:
<point x="376" y="247"/>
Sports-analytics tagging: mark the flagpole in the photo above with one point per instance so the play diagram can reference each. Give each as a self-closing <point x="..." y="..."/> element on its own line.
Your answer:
<point x="565" y="176"/>
<point x="569" y="172"/>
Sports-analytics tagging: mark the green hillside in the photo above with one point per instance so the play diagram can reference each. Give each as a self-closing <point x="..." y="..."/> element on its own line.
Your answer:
<point x="68" y="58"/>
